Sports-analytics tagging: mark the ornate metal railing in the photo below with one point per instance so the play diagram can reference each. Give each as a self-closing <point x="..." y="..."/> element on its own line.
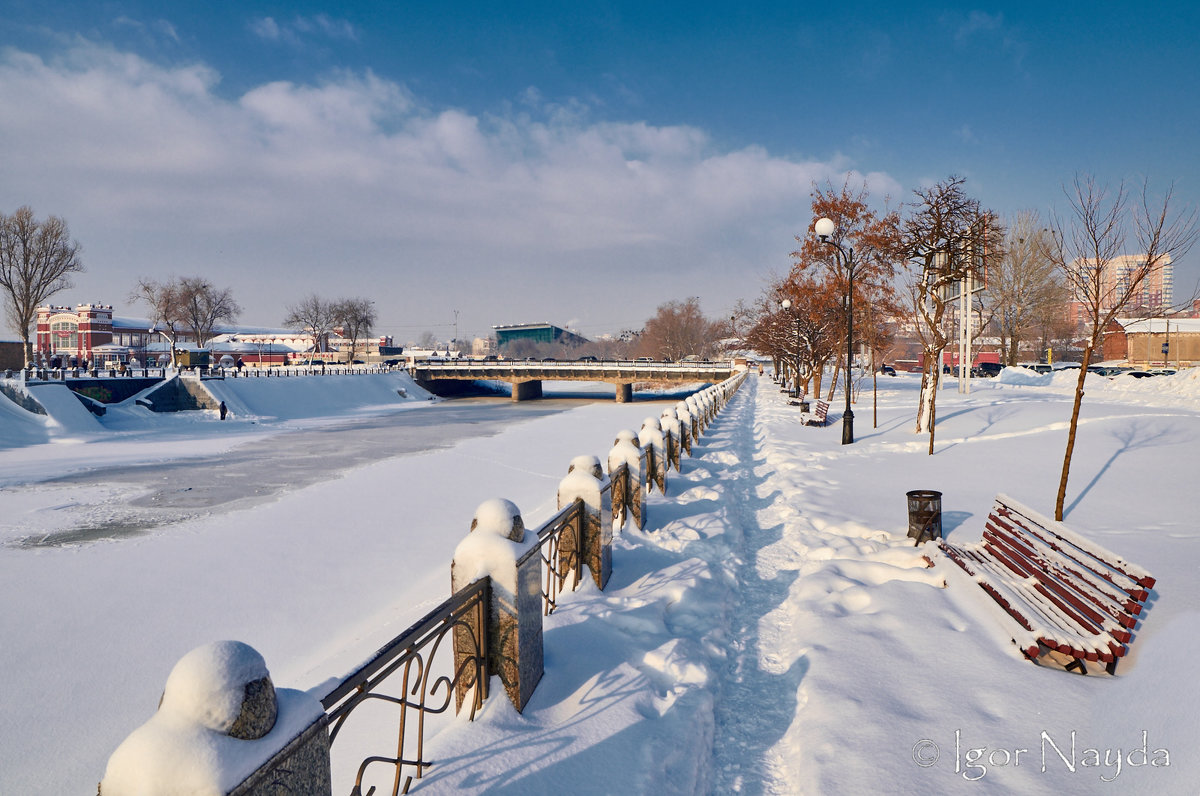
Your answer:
<point x="419" y="691"/>
<point x="560" y="544"/>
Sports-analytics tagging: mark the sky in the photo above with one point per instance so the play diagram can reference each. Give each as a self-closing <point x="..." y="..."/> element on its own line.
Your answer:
<point x="475" y="164"/>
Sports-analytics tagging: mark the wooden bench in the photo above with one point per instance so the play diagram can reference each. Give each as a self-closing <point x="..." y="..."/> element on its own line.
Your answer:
<point x="1071" y="600"/>
<point x="819" y="414"/>
<point x="799" y="399"/>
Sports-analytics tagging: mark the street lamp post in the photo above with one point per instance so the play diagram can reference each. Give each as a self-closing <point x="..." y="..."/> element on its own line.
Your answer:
<point x="824" y="228"/>
<point x="787" y="307"/>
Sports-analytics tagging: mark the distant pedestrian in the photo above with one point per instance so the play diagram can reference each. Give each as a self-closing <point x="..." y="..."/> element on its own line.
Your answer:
<point x="224" y="410"/>
<point x="239" y="364"/>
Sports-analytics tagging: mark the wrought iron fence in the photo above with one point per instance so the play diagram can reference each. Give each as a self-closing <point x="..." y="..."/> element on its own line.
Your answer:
<point x="419" y="691"/>
<point x="561" y="560"/>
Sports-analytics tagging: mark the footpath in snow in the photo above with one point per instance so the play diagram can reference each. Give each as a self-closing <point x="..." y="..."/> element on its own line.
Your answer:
<point x="773" y="629"/>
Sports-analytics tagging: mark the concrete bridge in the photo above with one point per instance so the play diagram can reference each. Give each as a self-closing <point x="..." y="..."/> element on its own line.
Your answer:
<point x="526" y="376"/>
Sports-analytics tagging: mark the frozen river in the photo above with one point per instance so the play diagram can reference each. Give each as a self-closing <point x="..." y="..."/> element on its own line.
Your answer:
<point x="128" y="499"/>
<point x="157" y="481"/>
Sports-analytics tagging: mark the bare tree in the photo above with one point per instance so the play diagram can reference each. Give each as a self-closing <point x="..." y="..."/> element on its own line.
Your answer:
<point x="317" y="317"/>
<point x="1025" y="294"/>
<point x="949" y="236"/>
<point x="679" y="329"/>
<point x="186" y="304"/>
<point x="204" y="306"/>
<point x="36" y="261"/>
<point x="166" y="309"/>
<point x="357" y="317"/>
<point x="1087" y="248"/>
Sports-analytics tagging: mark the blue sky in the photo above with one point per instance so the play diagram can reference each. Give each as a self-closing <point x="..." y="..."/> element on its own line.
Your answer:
<point x="578" y="163"/>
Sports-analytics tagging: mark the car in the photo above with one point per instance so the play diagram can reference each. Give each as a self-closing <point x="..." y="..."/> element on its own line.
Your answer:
<point x="1037" y="367"/>
<point x="588" y="358"/>
<point x="1138" y="374"/>
<point x="1162" y="371"/>
<point x="986" y="369"/>
<point x="887" y="370"/>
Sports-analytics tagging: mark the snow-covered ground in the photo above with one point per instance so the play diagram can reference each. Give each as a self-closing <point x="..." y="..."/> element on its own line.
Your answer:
<point x="771" y="630"/>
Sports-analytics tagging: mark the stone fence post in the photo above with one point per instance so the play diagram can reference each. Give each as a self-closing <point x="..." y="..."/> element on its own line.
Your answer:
<point x="223" y="728"/>
<point x="674" y="433"/>
<point x="655" y="444"/>
<point x="685" y="426"/>
<point x="627" y="490"/>
<point x="493" y="548"/>
<point x="693" y="405"/>
<point x="585" y="481"/>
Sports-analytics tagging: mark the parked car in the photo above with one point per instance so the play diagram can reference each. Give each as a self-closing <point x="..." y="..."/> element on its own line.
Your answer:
<point x="1162" y="371"/>
<point x="1038" y="367"/>
<point x="1138" y="374"/>
<point x="987" y="370"/>
<point x="887" y="370"/>
<point x="588" y="358"/>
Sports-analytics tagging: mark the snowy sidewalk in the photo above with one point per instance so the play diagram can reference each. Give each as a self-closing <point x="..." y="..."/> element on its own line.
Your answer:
<point x="773" y="630"/>
<point x="685" y="675"/>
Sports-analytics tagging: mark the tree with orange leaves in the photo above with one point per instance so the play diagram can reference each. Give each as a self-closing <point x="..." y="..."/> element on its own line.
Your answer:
<point x="876" y="243"/>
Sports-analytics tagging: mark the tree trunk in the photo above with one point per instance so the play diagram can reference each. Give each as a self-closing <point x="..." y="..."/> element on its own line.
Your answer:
<point x="1074" y="426"/>
<point x="837" y="369"/>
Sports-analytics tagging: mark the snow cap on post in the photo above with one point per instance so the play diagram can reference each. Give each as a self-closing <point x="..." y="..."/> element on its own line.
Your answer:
<point x="222" y="686"/>
<point x="216" y="697"/>
<point x="583" y="480"/>
<point x="587" y="463"/>
<point x="492" y="547"/>
<point x="626" y="435"/>
<point x="499" y="517"/>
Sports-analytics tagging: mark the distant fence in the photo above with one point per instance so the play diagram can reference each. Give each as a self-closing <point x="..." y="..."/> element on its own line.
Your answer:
<point x="214" y="372"/>
<point x="491" y="624"/>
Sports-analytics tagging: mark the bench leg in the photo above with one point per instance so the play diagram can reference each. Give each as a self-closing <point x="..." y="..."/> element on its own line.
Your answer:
<point x="1077" y="664"/>
<point x="1111" y="667"/>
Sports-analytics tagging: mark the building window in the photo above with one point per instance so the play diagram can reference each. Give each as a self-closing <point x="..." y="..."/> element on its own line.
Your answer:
<point x="64" y="336"/>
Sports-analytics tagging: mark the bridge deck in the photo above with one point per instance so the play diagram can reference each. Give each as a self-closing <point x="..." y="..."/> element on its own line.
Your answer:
<point x="620" y="371"/>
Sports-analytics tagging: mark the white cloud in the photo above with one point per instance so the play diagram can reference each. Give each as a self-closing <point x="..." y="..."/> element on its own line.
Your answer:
<point x="299" y="28"/>
<point x="977" y="22"/>
<point x="266" y="28"/>
<point x="355" y="185"/>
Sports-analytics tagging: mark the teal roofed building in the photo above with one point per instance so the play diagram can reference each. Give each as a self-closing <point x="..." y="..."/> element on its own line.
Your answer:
<point x="538" y="333"/>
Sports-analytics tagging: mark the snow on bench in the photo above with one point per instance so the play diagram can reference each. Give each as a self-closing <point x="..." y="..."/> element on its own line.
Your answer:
<point x="1067" y="595"/>
<point x="817" y="417"/>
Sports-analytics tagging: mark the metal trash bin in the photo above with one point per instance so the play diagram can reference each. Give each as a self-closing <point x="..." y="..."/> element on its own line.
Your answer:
<point x="924" y="515"/>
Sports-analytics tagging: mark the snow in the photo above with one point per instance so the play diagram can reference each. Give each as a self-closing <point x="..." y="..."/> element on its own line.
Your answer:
<point x="185" y="747"/>
<point x="584" y="480"/>
<point x="772" y="630"/>
<point x="491" y="549"/>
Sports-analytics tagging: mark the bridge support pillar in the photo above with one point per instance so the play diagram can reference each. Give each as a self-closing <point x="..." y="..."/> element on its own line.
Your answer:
<point x="526" y="390"/>
<point x="624" y="393"/>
